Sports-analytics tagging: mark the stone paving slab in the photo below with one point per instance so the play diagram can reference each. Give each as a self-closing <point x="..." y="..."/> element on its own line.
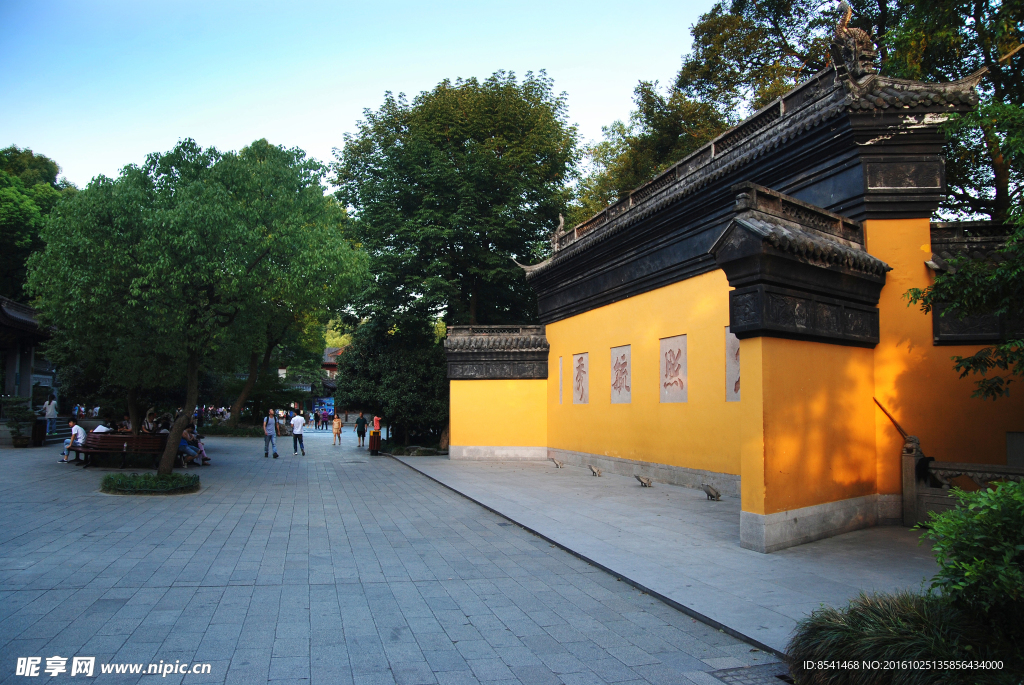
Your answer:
<point x="333" y="568"/>
<point x="674" y="542"/>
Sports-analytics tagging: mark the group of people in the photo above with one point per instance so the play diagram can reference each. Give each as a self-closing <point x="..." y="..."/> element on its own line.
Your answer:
<point x="190" y="443"/>
<point x="272" y="424"/>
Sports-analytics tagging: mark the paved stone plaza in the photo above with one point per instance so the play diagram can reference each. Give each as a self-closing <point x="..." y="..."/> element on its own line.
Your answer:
<point x="330" y="568"/>
<point x="675" y="542"/>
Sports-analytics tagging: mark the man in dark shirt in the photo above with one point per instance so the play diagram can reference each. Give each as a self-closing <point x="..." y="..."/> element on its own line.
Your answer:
<point x="361" y="428"/>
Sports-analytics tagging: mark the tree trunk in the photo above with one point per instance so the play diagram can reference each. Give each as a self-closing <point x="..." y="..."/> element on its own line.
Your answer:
<point x="133" y="410"/>
<point x="182" y="420"/>
<point x="1001" y="177"/>
<point x="250" y="383"/>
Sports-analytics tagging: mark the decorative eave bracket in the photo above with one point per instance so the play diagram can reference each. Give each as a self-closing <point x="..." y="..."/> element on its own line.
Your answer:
<point x="798" y="271"/>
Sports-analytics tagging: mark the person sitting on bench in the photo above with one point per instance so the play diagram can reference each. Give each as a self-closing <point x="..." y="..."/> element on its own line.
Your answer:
<point x="191" y="453"/>
<point x="77" y="439"/>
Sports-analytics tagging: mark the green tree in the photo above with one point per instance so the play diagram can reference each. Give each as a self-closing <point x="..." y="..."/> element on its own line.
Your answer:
<point x="983" y="287"/>
<point x="173" y="252"/>
<point x="29" y="190"/>
<point x="950" y="39"/>
<point x="664" y="128"/>
<point x="448" y="189"/>
<point x="399" y="373"/>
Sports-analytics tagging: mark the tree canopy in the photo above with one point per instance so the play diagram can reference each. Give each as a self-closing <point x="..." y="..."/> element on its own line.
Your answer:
<point x="29" y="190"/>
<point x="446" y="191"/>
<point x="745" y="53"/>
<point x="449" y="188"/>
<point x="151" y="272"/>
<point x="982" y="287"/>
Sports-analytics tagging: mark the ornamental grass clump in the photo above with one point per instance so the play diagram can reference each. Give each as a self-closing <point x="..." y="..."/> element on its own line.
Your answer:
<point x="973" y="611"/>
<point x="149" y="483"/>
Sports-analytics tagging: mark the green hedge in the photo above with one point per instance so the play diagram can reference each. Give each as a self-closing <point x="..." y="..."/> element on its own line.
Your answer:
<point x="150" y="483"/>
<point x="237" y="431"/>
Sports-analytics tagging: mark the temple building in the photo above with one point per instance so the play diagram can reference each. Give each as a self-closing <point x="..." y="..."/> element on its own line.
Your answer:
<point x="741" y="321"/>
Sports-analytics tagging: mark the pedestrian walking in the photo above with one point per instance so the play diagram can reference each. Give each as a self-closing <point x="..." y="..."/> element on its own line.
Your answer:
<point x="270" y="433"/>
<point x="50" y="414"/>
<point x="297" y="423"/>
<point x="316" y="419"/>
<point x="361" y="428"/>
<point x="336" y="430"/>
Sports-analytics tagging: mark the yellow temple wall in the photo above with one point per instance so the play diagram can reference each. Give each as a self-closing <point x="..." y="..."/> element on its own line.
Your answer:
<point x="703" y="432"/>
<point x="915" y="380"/>
<point x="819" y="431"/>
<point x="498" y="413"/>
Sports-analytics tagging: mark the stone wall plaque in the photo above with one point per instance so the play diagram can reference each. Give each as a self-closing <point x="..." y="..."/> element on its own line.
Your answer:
<point x="732" y="367"/>
<point x="673" y="379"/>
<point x="622" y="372"/>
<point x="581" y="378"/>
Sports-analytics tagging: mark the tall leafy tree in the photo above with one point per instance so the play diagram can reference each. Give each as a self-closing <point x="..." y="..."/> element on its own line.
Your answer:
<point x="175" y="251"/>
<point x="447" y="189"/>
<point x="29" y="190"/>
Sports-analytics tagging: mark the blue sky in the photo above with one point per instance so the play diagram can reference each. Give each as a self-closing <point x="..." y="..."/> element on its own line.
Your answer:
<point x="97" y="85"/>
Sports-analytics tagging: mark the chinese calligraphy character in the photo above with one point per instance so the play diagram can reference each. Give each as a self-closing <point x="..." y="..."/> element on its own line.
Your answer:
<point x="56" y="665"/>
<point x="83" y="665"/>
<point x="581" y="378"/>
<point x="673" y="368"/>
<point x="620" y="369"/>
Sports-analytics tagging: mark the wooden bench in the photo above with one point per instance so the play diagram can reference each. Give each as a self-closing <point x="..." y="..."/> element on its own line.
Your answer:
<point x="125" y="443"/>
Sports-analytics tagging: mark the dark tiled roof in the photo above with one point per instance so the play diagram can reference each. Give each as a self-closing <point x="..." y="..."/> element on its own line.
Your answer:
<point x="811" y="245"/>
<point x="495" y="338"/>
<point x="18" y="316"/>
<point x="824" y="96"/>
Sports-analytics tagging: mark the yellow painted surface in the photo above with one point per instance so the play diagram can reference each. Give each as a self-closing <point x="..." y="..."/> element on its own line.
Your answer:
<point x="806" y="430"/>
<point x="751" y="428"/>
<point x="498" y="413"/>
<point x="819" y="432"/>
<point x="915" y="380"/>
<point x="702" y="433"/>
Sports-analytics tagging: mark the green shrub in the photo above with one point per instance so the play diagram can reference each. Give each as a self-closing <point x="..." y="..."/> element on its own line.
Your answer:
<point x="973" y="612"/>
<point x="980" y="548"/>
<point x="149" y="483"/>
<point x="903" y="626"/>
<point x="237" y="431"/>
<point x="18" y="414"/>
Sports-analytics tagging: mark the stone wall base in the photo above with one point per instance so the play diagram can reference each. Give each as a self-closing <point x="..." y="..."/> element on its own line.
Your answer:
<point x="725" y="483"/>
<point x="771" y="532"/>
<point x="487" y="453"/>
